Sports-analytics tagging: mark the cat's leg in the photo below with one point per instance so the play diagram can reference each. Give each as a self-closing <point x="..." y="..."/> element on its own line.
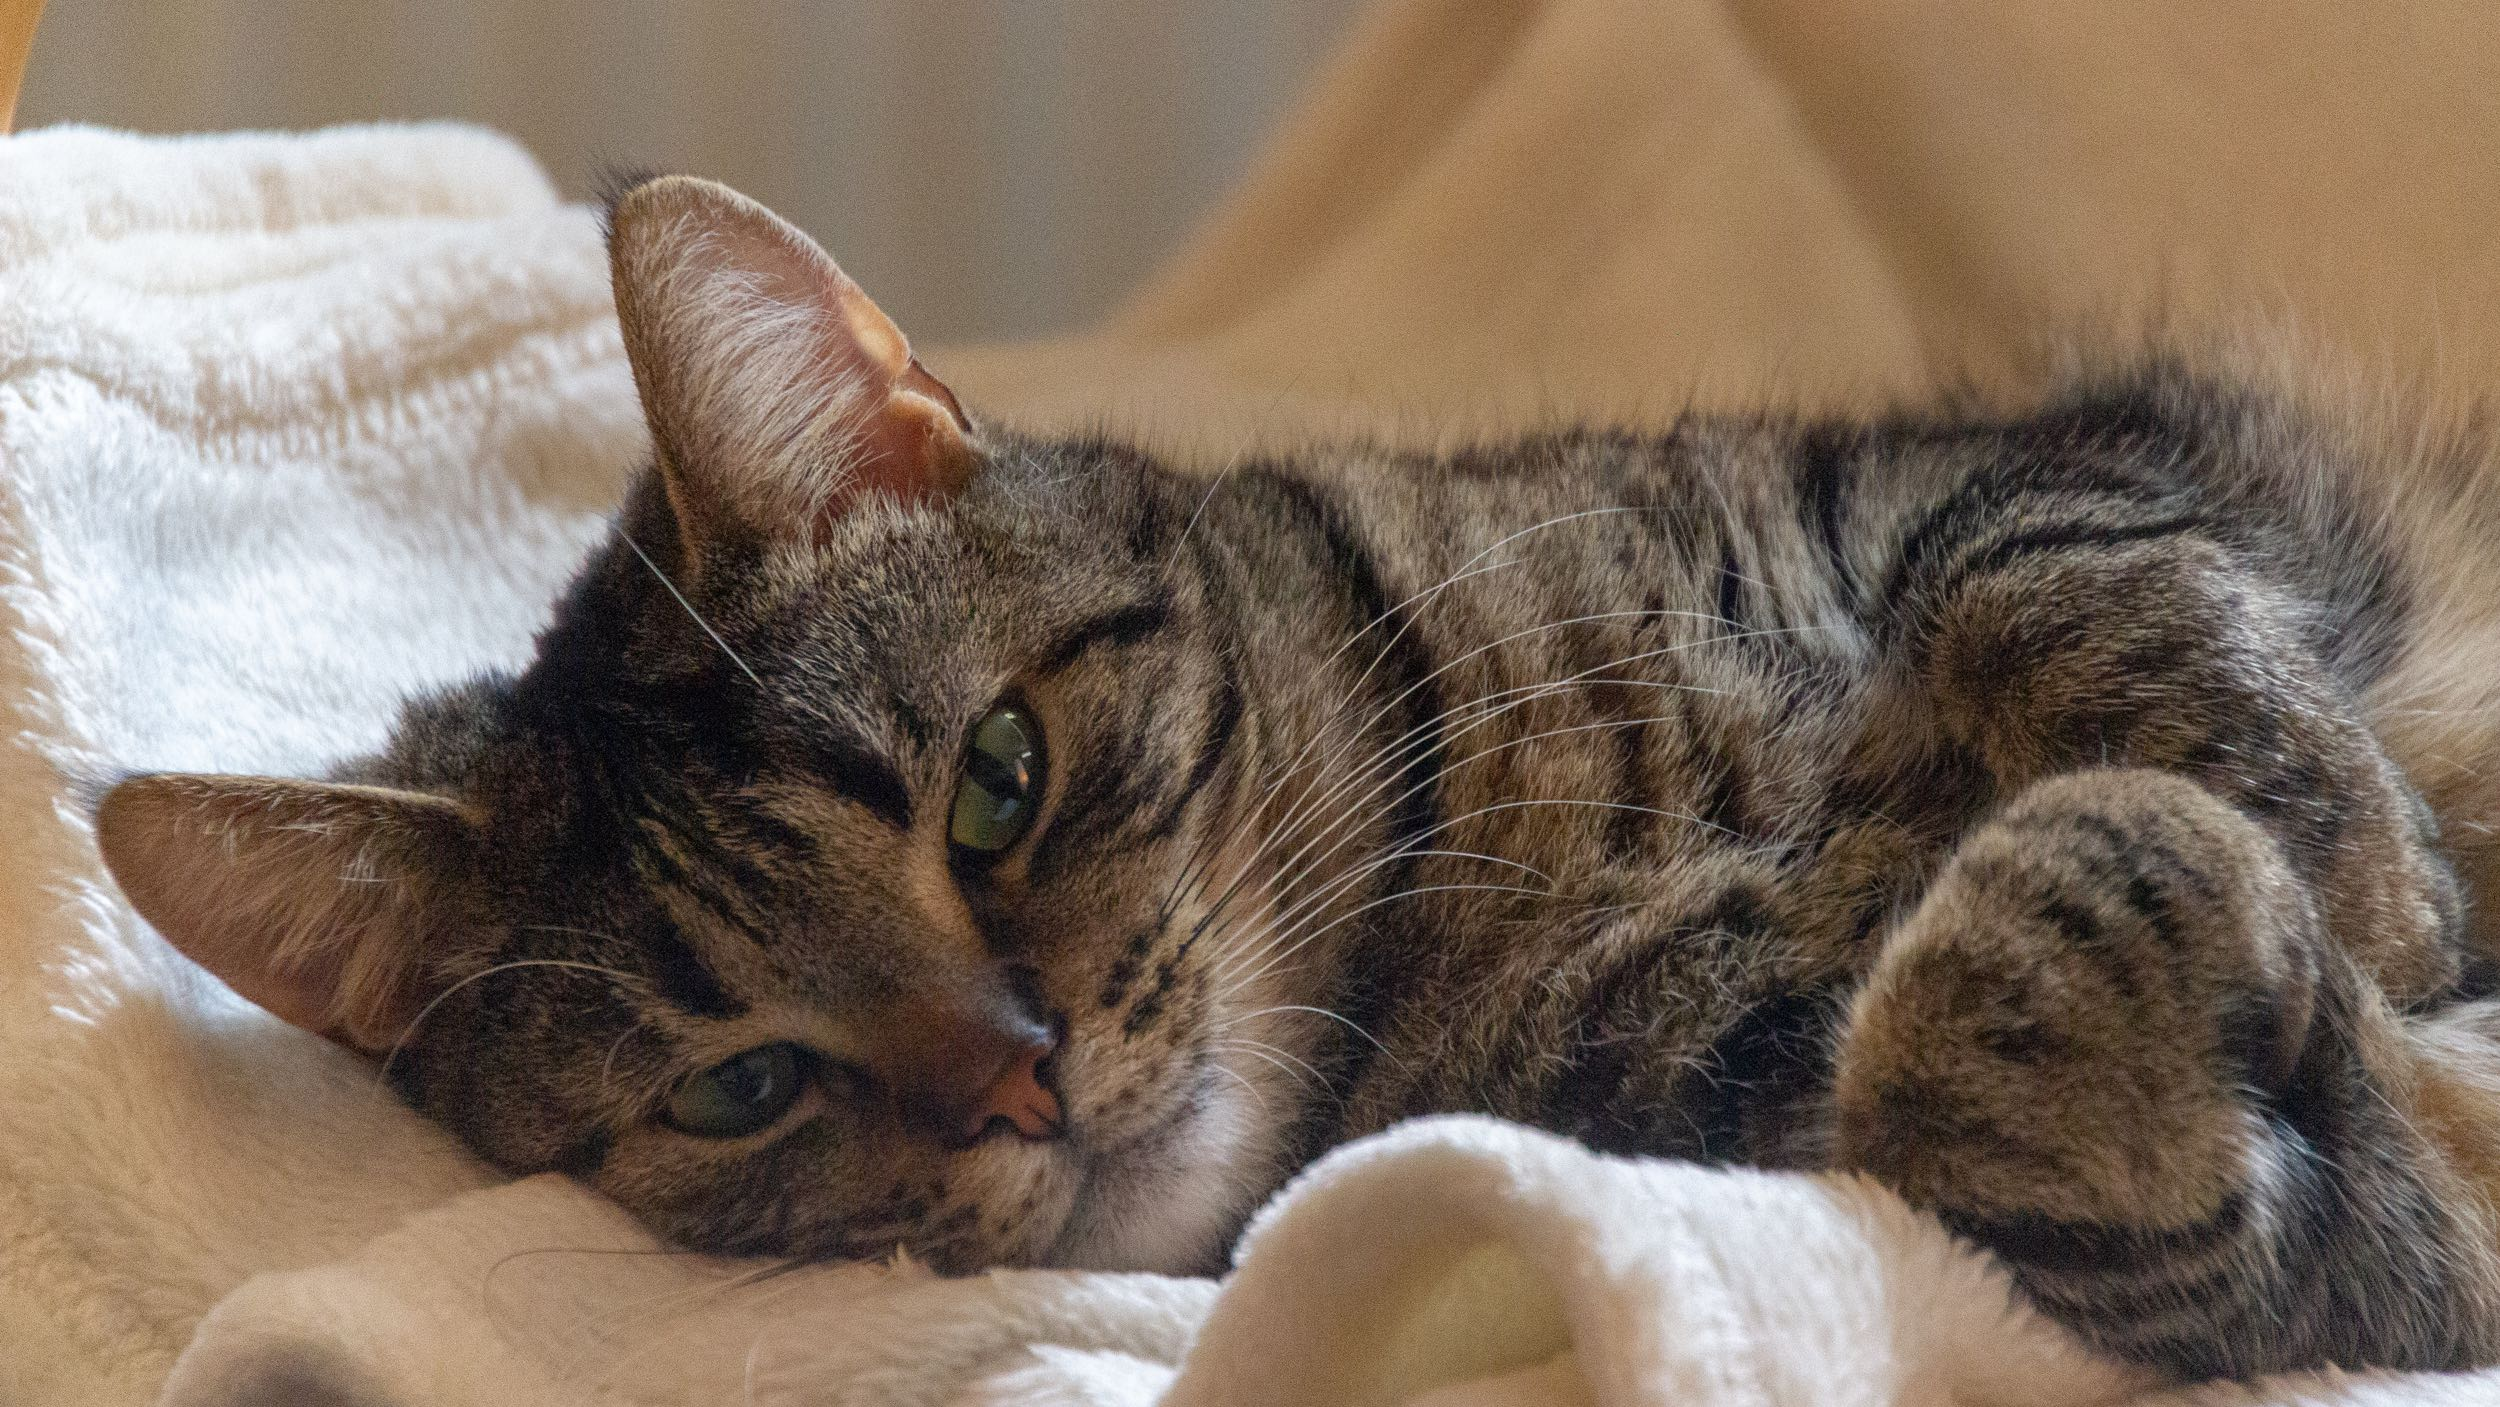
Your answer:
<point x="2115" y="1044"/>
<point x="2049" y="638"/>
<point x="2145" y="1038"/>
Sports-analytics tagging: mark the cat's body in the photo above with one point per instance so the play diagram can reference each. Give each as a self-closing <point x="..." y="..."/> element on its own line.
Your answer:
<point x="2013" y="807"/>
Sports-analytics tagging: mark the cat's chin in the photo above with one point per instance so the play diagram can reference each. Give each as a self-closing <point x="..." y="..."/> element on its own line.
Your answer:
<point x="1172" y="1199"/>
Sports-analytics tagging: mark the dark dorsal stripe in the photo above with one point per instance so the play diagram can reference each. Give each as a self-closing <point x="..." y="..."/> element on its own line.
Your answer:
<point x="2098" y="1247"/>
<point x="1824" y="466"/>
<point x="1731" y="604"/>
<point x="2059" y="478"/>
<point x="1757" y="1074"/>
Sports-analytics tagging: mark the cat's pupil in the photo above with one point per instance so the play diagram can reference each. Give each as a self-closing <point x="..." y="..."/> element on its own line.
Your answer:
<point x="744" y="1094"/>
<point x="744" y="1080"/>
<point x="1002" y="783"/>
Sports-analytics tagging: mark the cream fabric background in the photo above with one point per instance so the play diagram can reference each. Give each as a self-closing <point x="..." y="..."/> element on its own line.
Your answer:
<point x="1493" y="210"/>
<point x="992" y="168"/>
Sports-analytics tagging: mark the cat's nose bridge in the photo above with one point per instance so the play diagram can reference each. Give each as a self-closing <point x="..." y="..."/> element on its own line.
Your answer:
<point x="955" y="1069"/>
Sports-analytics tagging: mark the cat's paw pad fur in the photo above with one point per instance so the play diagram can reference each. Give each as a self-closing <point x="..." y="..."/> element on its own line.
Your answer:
<point x="2087" y="1012"/>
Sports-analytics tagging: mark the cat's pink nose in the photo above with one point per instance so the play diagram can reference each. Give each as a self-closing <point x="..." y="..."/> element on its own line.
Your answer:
<point x="955" y="1069"/>
<point x="1022" y="1097"/>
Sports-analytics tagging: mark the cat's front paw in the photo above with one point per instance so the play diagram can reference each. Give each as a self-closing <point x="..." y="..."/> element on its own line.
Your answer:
<point x="2084" y="1018"/>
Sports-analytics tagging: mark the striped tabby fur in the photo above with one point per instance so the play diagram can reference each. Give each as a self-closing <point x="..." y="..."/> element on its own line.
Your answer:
<point x="2068" y="817"/>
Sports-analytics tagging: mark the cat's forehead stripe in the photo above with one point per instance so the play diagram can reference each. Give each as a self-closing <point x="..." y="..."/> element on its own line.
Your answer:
<point x="856" y="770"/>
<point x="682" y="976"/>
<point x="671" y="869"/>
<point x="1125" y="626"/>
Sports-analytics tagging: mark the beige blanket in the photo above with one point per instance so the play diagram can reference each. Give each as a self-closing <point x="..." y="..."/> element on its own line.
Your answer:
<point x="1505" y="209"/>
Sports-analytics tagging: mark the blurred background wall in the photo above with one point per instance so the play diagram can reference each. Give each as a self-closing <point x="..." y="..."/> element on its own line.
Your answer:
<point x="987" y="168"/>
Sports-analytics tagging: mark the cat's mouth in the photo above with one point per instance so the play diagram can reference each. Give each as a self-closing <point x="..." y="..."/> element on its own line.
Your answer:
<point x="1166" y="1194"/>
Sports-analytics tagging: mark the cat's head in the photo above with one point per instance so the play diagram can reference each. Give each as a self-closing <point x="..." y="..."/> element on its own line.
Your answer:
<point x="828" y="880"/>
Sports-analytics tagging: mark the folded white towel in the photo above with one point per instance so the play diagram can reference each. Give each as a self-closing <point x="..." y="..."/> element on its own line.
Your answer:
<point x="289" y="425"/>
<point x="1455" y="1262"/>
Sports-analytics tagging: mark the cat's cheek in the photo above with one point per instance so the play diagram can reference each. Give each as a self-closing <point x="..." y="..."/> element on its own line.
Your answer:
<point x="1171" y="1201"/>
<point x="1029" y="1212"/>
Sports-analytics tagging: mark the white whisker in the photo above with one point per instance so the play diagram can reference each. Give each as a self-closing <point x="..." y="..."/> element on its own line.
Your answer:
<point x="382" y="1077"/>
<point x="1466" y="570"/>
<point x="691" y="613"/>
<point x="1290" y="1073"/>
<point x="1229" y="1022"/>
<point x="1236" y="1077"/>
<point x="1361" y="909"/>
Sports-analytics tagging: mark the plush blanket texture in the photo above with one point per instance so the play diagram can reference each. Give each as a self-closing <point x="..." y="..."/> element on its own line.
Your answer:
<point x="291" y="424"/>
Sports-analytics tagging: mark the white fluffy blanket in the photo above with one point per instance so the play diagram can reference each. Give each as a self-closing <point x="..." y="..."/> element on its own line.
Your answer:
<point x="292" y="424"/>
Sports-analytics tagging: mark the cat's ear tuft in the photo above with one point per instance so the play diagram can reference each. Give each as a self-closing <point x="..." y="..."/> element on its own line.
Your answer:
<point x="778" y="394"/>
<point x="321" y="903"/>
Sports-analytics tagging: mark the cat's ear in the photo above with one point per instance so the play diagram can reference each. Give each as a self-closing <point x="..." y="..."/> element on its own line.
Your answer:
<point x="319" y="902"/>
<point x="778" y="395"/>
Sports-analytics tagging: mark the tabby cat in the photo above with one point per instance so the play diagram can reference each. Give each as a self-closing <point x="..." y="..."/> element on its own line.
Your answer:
<point x="911" y="832"/>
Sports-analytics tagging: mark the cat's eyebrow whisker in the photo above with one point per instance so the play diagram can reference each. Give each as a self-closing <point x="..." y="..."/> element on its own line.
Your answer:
<point x="1209" y="497"/>
<point x="691" y="613"/>
<point x="382" y="1077"/>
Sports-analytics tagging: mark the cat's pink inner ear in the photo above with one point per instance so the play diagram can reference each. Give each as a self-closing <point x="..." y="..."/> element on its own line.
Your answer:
<point x="779" y="394"/>
<point x="312" y="901"/>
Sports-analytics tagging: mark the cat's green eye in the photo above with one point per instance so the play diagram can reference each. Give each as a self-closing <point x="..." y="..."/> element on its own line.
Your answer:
<point x="747" y="1093"/>
<point x="1002" y="786"/>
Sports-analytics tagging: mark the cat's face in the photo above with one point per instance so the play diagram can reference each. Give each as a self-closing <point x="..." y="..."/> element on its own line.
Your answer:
<point x="831" y="879"/>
